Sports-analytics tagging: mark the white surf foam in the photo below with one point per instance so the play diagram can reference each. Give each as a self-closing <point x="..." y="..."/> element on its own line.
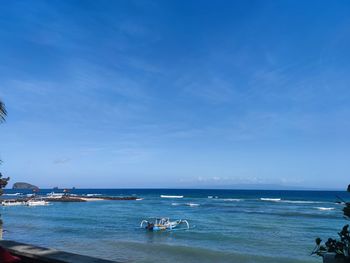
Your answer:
<point x="232" y="199"/>
<point x="270" y="199"/>
<point x="290" y="201"/>
<point x="192" y="204"/>
<point x="172" y="196"/>
<point x="92" y="195"/>
<point x="325" y="208"/>
<point x="300" y="202"/>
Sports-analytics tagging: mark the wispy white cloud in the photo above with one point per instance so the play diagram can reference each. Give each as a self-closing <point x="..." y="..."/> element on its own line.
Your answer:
<point x="212" y="89"/>
<point x="105" y="87"/>
<point x="62" y="160"/>
<point x="231" y="181"/>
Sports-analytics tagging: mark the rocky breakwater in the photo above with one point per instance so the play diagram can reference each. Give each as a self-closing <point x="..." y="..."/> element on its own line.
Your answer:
<point x="66" y="199"/>
<point x="70" y="198"/>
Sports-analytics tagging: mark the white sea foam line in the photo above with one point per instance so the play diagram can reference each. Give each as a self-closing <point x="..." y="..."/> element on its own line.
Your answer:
<point x="341" y="203"/>
<point x="301" y="202"/>
<point x="232" y="199"/>
<point x="192" y="204"/>
<point x="270" y="199"/>
<point x="290" y="201"/>
<point x="91" y="199"/>
<point x="187" y="204"/>
<point x="171" y="196"/>
<point x="325" y="208"/>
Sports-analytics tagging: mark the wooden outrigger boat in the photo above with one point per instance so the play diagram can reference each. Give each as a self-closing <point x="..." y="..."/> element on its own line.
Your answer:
<point x="164" y="223"/>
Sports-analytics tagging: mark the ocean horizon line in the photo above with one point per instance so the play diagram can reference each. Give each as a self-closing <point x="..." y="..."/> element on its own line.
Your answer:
<point x="190" y="188"/>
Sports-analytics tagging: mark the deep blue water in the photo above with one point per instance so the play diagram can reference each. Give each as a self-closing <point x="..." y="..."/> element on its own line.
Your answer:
<point x="232" y="226"/>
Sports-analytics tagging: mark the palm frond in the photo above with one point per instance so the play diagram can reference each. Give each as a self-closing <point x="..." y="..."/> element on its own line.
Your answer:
<point x="3" y="111"/>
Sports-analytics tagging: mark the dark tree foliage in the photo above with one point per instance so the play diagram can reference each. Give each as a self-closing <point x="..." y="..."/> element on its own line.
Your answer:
<point x="3" y="183"/>
<point x="340" y="247"/>
<point x="347" y="210"/>
<point x="347" y="206"/>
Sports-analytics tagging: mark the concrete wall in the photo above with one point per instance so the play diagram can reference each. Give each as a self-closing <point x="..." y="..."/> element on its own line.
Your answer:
<point x="31" y="254"/>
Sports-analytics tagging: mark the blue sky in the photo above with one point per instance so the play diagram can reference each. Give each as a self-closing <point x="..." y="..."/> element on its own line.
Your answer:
<point x="176" y="93"/>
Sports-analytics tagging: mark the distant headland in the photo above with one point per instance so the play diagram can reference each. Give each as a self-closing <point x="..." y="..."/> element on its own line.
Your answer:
<point x="24" y="186"/>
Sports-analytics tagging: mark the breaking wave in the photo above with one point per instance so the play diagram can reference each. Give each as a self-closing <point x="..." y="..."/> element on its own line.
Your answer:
<point x="15" y="194"/>
<point x="192" y="204"/>
<point x="270" y="199"/>
<point x="186" y="204"/>
<point x="172" y="196"/>
<point x="279" y="200"/>
<point x="325" y="208"/>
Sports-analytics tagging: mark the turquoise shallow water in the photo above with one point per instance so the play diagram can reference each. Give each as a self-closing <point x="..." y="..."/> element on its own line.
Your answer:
<point x="233" y="226"/>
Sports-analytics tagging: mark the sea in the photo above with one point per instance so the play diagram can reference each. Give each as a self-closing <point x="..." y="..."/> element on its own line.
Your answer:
<point x="225" y="225"/>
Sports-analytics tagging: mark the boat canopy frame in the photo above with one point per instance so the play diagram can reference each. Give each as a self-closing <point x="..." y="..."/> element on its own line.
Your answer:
<point x="162" y="223"/>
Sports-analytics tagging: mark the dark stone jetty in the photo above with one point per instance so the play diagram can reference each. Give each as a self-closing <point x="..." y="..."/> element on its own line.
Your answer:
<point x="70" y="198"/>
<point x="64" y="199"/>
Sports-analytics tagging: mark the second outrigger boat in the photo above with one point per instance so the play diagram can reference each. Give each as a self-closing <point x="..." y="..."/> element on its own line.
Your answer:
<point x="164" y="223"/>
